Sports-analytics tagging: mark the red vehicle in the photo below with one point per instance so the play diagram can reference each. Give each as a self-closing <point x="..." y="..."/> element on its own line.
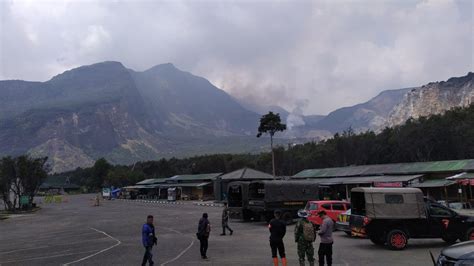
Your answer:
<point x="332" y="207"/>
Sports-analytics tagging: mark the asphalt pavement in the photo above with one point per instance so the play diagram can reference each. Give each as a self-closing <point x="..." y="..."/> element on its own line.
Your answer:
<point x="77" y="233"/>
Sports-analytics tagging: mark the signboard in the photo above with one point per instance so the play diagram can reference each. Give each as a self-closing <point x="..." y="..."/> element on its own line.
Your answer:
<point x="106" y="192"/>
<point x="388" y="184"/>
<point x="24" y="200"/>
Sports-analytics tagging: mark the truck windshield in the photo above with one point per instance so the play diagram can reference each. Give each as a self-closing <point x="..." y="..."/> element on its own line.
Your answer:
<point x="311" y="206"/>
<point x="358" y="203"/>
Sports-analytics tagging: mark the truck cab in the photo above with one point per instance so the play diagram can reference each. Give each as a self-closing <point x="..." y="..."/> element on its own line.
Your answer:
<point x="237" y="200"/>
<point x="390" y="216"/>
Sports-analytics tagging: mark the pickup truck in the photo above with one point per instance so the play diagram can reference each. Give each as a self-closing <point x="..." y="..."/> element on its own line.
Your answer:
<point x="390" y="216"/>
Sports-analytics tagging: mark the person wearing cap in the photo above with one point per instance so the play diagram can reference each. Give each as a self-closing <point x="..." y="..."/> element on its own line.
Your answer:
<point x="325" y="233"/>
<point x="277" y="229"/>
<point x="204" y="230"/>
<point x="305" y="236"/>
<point x="148" y="240"/>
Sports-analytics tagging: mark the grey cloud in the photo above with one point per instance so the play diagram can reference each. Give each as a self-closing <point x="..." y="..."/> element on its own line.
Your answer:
<point x="329" y="53"/>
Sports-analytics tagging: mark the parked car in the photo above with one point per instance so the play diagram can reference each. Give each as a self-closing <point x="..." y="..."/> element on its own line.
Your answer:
<point x="457" y="254"/>
<point x="332" y="207"/>
<point x="342" y="223"/>
<point x="393" y="215"/>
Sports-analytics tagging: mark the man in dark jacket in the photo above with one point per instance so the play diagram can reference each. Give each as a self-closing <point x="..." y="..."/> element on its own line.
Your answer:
<point x="204" y="229"/>
<point x="148" y="240"/>
<point x="225" y="220"/>
<point x="277" y="229"/>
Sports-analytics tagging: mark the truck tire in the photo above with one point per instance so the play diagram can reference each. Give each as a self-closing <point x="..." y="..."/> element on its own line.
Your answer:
<point x="377" y="240"/>
<point x="397" y="239"/>
<point x="287" y="217"/>
<point x="469" y="234"/>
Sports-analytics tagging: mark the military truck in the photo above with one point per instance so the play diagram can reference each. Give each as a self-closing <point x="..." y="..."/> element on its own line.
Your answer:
<point x="286" y="195"/>
<point x="237" y="200"/>
<point x="390" y="216"/>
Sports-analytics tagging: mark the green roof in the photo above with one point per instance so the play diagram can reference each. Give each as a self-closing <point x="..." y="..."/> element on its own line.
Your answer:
<point x="198" y="177"/>
<point x="152" y="181"/>
<point x="462" y="176"/>
<point x="434" y="183"/>
<point x="391" y="169"/>
<point x="246" y="173"/>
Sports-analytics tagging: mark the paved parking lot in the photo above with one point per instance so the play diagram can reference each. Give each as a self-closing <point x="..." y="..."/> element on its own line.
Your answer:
<point x="76" y="233"/>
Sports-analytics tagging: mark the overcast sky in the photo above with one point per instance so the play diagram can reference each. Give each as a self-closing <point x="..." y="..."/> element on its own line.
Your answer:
<point x="320" y="55"/>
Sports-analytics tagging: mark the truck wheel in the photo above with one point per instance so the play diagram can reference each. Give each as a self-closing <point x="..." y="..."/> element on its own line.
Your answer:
<point x="377" y="240"/>
<point x="449" y="238"/>
<point x="397" y="239"/>
<point x="469" y="234"/>
<point x="287" y="217"/>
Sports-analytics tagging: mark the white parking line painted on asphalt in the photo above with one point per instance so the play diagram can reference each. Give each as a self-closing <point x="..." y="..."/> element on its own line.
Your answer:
<point x="48" y="257"/>
<point x="101" y="251"/>
<point x="182" y="252"/>
<point x="52" y="245"/>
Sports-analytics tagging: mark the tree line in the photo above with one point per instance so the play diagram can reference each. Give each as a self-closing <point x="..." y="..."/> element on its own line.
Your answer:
<point x="449" y="136"/>
<point x="21" y="177"/>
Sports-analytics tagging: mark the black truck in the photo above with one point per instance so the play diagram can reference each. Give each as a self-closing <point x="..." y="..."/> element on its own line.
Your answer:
<point x="286" y="195"/>
<point x="390" y="216"/>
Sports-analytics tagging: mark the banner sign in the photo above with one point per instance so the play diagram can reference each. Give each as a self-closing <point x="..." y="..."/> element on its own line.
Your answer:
<point x="388" y="184"/>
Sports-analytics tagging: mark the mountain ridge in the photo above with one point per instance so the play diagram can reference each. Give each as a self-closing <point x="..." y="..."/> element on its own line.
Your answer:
<point x="107" y="110"/>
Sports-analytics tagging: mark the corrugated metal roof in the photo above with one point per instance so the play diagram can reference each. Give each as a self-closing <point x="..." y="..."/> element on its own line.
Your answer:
<point x="201" y="184"/>
<point x="434" y="183"/>
<point x="211" y="176"/>
<point x="364" y="179"/>
<point x="152" y="181"/>
<point x="246" y="173"/>
<point x="461" y="176"/>
<point x="391" y="169"/>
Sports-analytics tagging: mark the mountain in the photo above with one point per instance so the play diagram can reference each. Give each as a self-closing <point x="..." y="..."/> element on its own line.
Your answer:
<point x="434" y="98"/>
<point x="108" y="110"/>
<point x="371" y="115"/>
<point x="188" y="104"/>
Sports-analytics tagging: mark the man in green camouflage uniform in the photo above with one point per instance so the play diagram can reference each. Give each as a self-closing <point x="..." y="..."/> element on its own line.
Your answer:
<point x="304" y="246"/>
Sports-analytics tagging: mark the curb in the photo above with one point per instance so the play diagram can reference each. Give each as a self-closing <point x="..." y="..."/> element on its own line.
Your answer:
<point x="209" y="204"/>
<point x="155" y="201"/>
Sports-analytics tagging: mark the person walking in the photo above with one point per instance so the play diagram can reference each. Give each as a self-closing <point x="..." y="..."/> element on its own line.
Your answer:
<point x="325" y="232"/>
<point x="148" y="240"/>
<point x="305" y="235"/>
<point x="204" y="230"/>
<point x="277" y="229"/>
<point x="225" y="220"/>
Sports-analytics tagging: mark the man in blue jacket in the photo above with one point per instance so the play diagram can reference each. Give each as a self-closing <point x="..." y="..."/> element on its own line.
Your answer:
<point x="148" y="240"/>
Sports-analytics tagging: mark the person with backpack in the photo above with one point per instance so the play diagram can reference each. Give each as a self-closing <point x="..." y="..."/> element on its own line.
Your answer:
<point x="277" y="229"/>
<point x="204" y="230"/>
<point x="148" y="240"/>
<point x="305" y="235"/>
